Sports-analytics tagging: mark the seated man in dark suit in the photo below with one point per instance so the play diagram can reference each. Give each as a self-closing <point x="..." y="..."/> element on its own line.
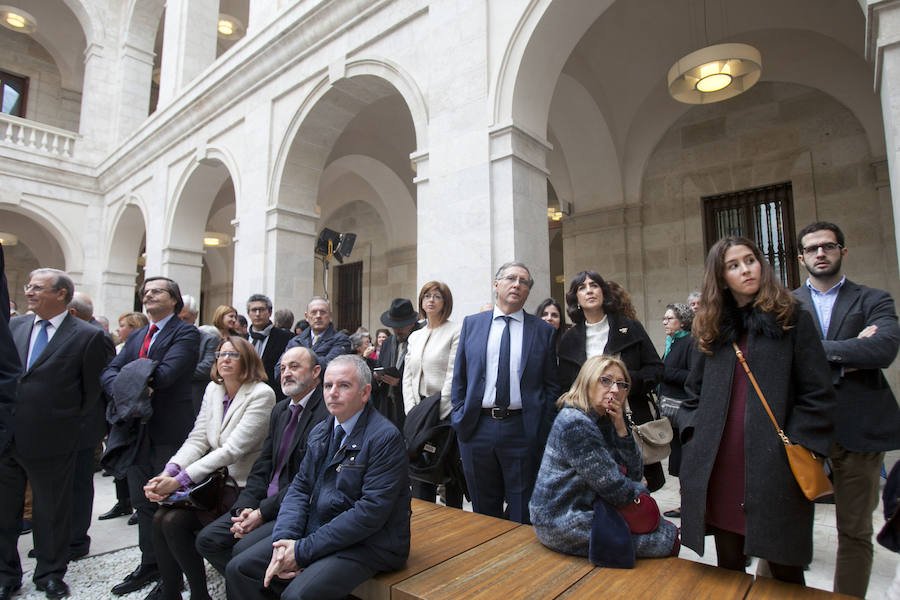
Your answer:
<point x="253" y="515"/>
<point x="268" y="340"/>
<point x="346" y="514"/>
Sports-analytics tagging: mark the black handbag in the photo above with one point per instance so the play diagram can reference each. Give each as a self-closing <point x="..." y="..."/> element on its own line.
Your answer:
<point x="208" y="495"/>
<point x="431" y="443"/>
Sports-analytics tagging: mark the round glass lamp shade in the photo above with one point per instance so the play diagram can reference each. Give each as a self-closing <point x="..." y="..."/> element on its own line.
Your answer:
<point x="715" y="73"/>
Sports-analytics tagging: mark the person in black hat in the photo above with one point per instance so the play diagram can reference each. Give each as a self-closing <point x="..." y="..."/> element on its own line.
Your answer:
<point x="403" y="319"/>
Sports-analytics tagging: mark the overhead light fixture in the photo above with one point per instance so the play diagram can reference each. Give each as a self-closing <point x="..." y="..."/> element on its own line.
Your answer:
<point x="213" y="239"/>
<point x="8" y="239"/>
<point x="229" y="27"/>
<point x="17" y="19"/>
<point x="715" y="73"/>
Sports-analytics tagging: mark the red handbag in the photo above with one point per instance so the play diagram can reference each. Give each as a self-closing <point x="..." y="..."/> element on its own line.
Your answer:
<point x="642" y="515"/>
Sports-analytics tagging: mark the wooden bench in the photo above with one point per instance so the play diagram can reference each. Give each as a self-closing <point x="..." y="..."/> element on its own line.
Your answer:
<point x="456" y="554"/>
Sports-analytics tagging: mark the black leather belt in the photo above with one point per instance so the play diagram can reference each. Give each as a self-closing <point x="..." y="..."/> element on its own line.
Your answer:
<point x="498" y="412"/>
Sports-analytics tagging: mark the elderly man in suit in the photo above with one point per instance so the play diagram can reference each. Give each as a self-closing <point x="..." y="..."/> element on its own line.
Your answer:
<point x="860" y="335"/>
<point x="268" y="340"/>
<point x="503" y="394"/>
<point x="320" y="336"/>
<point x="346" y="514"/>
<point x="205" y="358"/>
<point x="59" y="387"/>
<point x="175" y="345"/>
<point x="253" y="515"/>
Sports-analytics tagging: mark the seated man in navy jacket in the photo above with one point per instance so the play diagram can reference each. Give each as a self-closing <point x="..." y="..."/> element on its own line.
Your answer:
<point x="346" y="515"/>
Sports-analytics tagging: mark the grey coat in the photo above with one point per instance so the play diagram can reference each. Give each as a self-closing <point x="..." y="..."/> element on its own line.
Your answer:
<point x="791" y="370"/>
<point x="581" y="462"/>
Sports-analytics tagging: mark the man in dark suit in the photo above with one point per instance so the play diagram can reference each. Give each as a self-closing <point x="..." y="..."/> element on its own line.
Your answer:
<point x="860" y="335"/>
<point x="346" y="514"/>
<point x="268" y="340"/>
<point x="58" y="388"/>
<point x="174" y="344"/>
<point x="320" y="336"/>
<point x="403" y="319"/>
<point x="209" y="343"/>
<point x="93" y="430"/>
<point x="503" y="394"/>
<point x="252" y="516"/>
<point x="10" y="368"/>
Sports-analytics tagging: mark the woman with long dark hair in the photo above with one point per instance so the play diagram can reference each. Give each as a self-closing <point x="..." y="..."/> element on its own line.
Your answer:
<point x="735" y="479"/>
<point x="601" y="328"/>
<point x="550" y="312"/>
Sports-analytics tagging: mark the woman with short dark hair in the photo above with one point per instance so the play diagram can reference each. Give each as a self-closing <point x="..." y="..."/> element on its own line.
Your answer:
<point x="228" y="432"/>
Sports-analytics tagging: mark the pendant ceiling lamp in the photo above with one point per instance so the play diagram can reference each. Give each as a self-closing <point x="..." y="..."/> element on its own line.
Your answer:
<point x="715" y="73"/>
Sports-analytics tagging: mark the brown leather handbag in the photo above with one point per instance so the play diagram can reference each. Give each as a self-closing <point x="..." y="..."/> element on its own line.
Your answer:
<point x="807" y="467"/>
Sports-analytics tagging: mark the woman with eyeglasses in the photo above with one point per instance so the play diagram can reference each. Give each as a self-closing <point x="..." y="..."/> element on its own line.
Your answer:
<point x="602" y="328"/>
<point x="228" y="432"/>
<point x="225" y="319"/>
<point x="430" y="356"/>
<point x="592" y="455"/>
<point x="735" y="479"/>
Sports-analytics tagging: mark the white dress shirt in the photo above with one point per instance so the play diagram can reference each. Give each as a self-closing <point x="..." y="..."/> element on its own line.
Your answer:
<point x="55" y="322"/>
<point x="516" y="326"/>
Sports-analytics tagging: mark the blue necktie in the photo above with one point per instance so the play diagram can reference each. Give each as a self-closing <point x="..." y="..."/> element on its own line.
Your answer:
<point x="502" y="399"/>
<point x="336" y="440"/>
<point x="39" y="343"/>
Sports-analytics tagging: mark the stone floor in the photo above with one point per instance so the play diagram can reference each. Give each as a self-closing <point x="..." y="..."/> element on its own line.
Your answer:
<point x="114" y="551"/>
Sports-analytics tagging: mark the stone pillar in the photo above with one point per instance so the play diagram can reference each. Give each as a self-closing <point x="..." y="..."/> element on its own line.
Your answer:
<point x="94" y="123"/>
<point x="184" y="267"/>
<point x="116" y="295"/>
<point x="290" y="263"/>
<point x="189" y="44"/>
<point x="519" y="204"/>
<point x="136" y="69"/>
<point x="883" y="48"/>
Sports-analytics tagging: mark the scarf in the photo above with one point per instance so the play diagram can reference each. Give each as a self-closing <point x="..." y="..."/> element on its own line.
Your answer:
<point x="670" y="339"/>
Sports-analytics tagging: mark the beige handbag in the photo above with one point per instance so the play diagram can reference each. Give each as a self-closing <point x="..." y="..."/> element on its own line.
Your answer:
<point x="652" y="437"/>
<point x="806" y="466"/>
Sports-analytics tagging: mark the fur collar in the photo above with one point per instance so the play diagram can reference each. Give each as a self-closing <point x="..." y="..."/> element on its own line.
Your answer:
<point x="736" y="320"/>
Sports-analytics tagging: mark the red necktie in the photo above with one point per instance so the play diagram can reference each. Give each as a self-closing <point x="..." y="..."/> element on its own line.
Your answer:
<point x="153" y="329"/>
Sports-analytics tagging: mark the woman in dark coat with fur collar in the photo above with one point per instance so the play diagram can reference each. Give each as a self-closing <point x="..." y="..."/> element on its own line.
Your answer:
<point x="601" y="328"/>
<point x="735" y="479"/>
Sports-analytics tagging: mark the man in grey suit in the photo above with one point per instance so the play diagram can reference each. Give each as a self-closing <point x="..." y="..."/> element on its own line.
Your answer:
<point x="860" y="335"/>
<point x="58" y="388"/>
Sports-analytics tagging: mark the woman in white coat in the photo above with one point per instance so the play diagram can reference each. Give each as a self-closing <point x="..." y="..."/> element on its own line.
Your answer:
<point x="228" y="432"/>
<point x="430" y="354"/>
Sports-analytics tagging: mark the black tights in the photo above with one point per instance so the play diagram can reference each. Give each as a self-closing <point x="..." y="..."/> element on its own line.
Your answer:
<point x="174" y="533"/>
<point x="730" y="553"/>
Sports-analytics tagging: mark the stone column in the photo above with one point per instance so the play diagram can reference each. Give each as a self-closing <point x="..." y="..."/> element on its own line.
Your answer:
<point x="290" y="264"/>
<point x="116" y="295"/>
<point x="883" y="48"/>
<point x="136" y="68"/>
<point x="189" y="44"/>
<point x="94" y="123"/>
<point x="184" y="267"/>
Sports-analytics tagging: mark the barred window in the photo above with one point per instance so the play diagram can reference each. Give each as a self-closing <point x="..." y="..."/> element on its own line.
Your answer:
<point x="766" y="216"/>
<point x="349" y="296"/>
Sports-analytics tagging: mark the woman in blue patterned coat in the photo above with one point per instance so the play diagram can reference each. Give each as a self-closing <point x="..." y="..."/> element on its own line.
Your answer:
<point x="590" y="453"/>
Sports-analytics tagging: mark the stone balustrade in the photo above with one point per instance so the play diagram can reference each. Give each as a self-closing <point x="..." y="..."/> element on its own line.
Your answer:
<point x="36" y="137"/>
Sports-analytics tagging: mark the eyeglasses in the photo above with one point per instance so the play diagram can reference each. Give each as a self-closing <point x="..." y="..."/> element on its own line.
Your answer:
<point x="608" y="382"/>
<point x="435" y="297"/>
<point x="827" y="247"/>
<point x="512" y="280"/>
<point x="231" y="355"/>
<point x="258" y="309"/>
<point x="37" y="289"/>
<point x="667" y="319"/>
<point x="155" y="291"/>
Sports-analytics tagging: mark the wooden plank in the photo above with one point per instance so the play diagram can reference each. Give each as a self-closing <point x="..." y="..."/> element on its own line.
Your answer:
<point x="511" y="566"/>
<point x="661" y="579"/>
<point x="420" y="506"/>
<point x="764" y="588"/>
<point x="438" y="534"/>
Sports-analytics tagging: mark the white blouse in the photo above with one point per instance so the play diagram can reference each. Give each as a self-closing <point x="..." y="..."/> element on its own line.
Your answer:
<point x="597" y="336"/>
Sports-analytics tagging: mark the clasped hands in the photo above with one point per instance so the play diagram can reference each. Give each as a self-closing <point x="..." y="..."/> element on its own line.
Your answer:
<point x="160" y="487"/>
<point x="283" y="565"/>
<point x="246" y="521"/>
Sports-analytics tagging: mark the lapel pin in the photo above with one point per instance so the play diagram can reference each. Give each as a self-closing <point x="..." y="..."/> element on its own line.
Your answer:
<point x="623" y="330"/>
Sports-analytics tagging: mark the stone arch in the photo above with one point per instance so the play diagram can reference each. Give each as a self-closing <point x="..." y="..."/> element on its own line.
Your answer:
<point x="58" y="234"/>
<point x="91" y="22"/>
<point x="129" y="226"/>
<point x="141" y="22"/>
<point x="194" y="194"/>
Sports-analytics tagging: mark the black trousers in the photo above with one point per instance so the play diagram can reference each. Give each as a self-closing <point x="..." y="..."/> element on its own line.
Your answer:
<point x="150" y="462"/>
<point x="174" y="535"/>
<point x="51" y="486"/>
<point x="217" y="544"/>
<point x="82" y="500"/>
<point x="730" y="555"/>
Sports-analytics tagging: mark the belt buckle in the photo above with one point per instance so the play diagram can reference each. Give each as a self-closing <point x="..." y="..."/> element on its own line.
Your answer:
<point x="499" y="412"/>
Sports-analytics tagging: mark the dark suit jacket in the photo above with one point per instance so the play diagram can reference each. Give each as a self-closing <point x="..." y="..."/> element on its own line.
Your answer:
<point x="867" y="418"/>
<point x="331" y="343"/>
<point x="537" y="377"/>
<point x="388" y="399"/>
<point x="60" y="389"/>
<point x="254" y="494"/>
<point x="205" y="359"/>
<point x="354" y="504"/>
<point x="94" y="428"/>
<point x="630" y="341"/>
<point x="275" y="345"/>
<point x="176" y="348"/>
<point x="9" y="362"/>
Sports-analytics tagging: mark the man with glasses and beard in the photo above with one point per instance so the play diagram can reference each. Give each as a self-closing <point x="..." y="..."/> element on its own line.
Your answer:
<point x="859" y="331"/>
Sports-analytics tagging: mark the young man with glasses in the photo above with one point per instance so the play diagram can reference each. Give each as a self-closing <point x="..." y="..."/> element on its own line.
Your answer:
<point x="503" y="394"/>
<point x="268" y="340"/>
<point x="858" y="327"/>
